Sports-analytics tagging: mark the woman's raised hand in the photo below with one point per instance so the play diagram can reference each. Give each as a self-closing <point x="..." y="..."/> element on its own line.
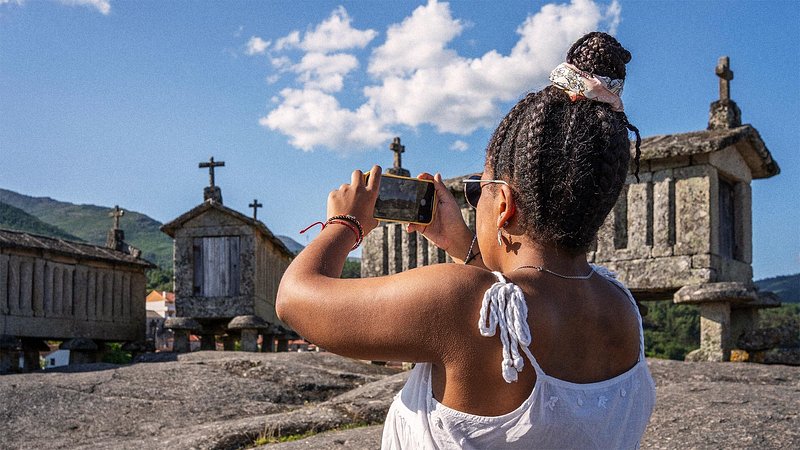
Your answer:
<point x="448" y="231"/>
<point x="357" y="198"/>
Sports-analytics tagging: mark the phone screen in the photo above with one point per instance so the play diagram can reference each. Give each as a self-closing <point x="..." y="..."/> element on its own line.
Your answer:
<point x="405" y="200"/>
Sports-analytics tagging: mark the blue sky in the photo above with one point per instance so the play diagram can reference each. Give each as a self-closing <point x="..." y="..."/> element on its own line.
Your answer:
<point x="115" y="102"/>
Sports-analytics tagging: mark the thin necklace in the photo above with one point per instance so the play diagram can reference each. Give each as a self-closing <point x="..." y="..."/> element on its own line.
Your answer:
<point x="568" y="277"/>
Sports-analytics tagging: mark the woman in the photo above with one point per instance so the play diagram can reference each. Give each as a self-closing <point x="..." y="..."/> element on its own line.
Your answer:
<point x="554" y="169"/>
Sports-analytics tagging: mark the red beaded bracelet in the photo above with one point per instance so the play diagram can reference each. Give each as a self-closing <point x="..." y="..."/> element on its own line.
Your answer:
<point x="346" y="220"/>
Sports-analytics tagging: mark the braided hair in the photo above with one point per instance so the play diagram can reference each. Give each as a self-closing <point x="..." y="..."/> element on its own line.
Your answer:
<point x="566" y="161"/>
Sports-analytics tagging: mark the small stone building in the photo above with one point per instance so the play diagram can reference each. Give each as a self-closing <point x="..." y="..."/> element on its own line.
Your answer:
<point x="681" y="232"/>
<point x="227" y="270"/>
<point x="82" y="294"/>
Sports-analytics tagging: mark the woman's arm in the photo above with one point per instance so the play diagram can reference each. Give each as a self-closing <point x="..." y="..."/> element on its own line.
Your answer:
<point x="397" y="317"/>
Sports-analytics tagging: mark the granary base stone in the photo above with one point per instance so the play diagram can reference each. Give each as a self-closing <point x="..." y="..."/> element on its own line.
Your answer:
<point x="248" y="328"/>
<point x="9" y="354"/>
<point x="30" y="350"/>
<point x="208" y="342"/>
<point x="81" y="351"/>
<point x="249" y="340"/>
<point x="181" y="327"/>
<point x="229" y="342"/>
<point x="714" y="301"/>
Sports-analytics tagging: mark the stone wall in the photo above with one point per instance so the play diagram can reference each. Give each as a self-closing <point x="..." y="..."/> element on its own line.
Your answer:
<point x="664" y="231"/>
<point x="62" y="298"/>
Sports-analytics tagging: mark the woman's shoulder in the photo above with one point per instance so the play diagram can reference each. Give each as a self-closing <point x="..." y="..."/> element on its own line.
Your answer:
<point x="454" y="287"/>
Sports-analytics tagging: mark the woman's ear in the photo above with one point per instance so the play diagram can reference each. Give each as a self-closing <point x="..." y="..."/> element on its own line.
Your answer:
<point x="506" y="207"/>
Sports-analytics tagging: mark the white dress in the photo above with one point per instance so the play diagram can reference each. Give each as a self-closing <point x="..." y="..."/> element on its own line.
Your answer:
<point x="609" y="414"/>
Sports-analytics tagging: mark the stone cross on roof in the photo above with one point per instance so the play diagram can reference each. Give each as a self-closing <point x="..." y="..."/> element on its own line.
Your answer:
<point x="725" y="75"/>
<point x="255" y="205"/>
<point x="116" y="214"/>
<point x="398" y="150"/>
<point x="210" y="165"/>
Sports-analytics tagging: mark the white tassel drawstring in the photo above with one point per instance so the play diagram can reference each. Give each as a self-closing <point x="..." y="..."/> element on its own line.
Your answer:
<point x="504" y="306"/>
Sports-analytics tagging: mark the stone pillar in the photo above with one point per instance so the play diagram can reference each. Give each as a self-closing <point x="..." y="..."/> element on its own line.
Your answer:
<point x="249" y="340"/>
<point x="81" y="351"/>
<point x="228" y="342"/>
<point x="267" y="342"/>
<point x="715" y="331"/>
<point x="30" y="350"/>
<point x="248" y="328"/>
<point x="181" y="328"/>
<point x="180" y="341"/>
<point x="9" y="354"/>
<point x="714" y="301"/>
<point x="283" y="344"/>
<point x="208" y="341"/>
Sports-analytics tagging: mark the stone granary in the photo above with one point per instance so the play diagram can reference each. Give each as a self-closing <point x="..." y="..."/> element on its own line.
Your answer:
<point x="82" y="294"/>
<point x="227" y="270"/>
<point x="682" y="232"/>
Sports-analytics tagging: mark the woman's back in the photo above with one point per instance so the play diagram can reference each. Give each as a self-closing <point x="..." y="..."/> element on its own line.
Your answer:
<point x="565" y="407"/>
<point x="582" y="332"/>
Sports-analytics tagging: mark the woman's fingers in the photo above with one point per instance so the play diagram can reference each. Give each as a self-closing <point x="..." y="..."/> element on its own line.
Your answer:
<point x="357" y="178"/>
<point x="374" y="180"/>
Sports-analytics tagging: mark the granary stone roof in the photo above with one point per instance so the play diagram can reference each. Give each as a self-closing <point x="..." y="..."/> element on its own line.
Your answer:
<point x="18" y="239"/>
<point x="745" y="138"/>
<point x="171" y="227"/>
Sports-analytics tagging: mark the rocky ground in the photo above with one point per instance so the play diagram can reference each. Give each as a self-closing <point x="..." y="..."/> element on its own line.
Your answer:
<point x="217" y="400"/>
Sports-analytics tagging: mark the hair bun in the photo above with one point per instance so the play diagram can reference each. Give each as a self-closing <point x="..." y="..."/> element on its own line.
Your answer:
<point x="600" y="54"/>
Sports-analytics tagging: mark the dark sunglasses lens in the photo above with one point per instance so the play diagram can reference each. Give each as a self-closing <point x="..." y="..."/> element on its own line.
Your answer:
<point x="472" y="191"/>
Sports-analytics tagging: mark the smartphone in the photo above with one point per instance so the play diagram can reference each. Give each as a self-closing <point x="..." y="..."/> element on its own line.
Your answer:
<point x="403" y="199"/>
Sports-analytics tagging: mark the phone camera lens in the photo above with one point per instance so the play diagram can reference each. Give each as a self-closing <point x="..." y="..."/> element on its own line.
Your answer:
<point x="423" y="202"/>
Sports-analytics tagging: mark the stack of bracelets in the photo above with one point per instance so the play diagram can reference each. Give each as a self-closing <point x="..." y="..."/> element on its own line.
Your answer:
<point x="346" y="220"/>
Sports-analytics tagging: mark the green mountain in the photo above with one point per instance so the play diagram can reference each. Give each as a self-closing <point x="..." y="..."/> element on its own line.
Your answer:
<point x="787" y="287"/>
<point x="91" y="223"/>
<point x="291" y="244"/>
<point x="12" y="218"/>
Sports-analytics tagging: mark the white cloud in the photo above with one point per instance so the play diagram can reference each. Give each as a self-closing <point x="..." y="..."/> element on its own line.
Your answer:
<point x="332" y="34"/>
<point x="418" y="42"/>
<point x="102" y="6"/>
<point x="459" y="146"/>
<point x="256" y="46"/>
<point x="418" y="78"/>
<point x="288" y="41"/>
<point x="312" y="118"/>
<point x="324" y="72"/>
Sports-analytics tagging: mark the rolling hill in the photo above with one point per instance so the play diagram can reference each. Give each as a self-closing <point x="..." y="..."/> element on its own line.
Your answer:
<point x="90" y="223"/>
<point x="787" y="287"/>
<point x="13" y="218"/>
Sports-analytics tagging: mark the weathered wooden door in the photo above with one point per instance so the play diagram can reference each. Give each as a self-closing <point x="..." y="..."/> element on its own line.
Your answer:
<point x="216" y="266"/>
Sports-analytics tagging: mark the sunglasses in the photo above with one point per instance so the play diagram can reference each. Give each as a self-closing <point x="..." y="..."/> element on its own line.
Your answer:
<point x="473" y="188"/>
